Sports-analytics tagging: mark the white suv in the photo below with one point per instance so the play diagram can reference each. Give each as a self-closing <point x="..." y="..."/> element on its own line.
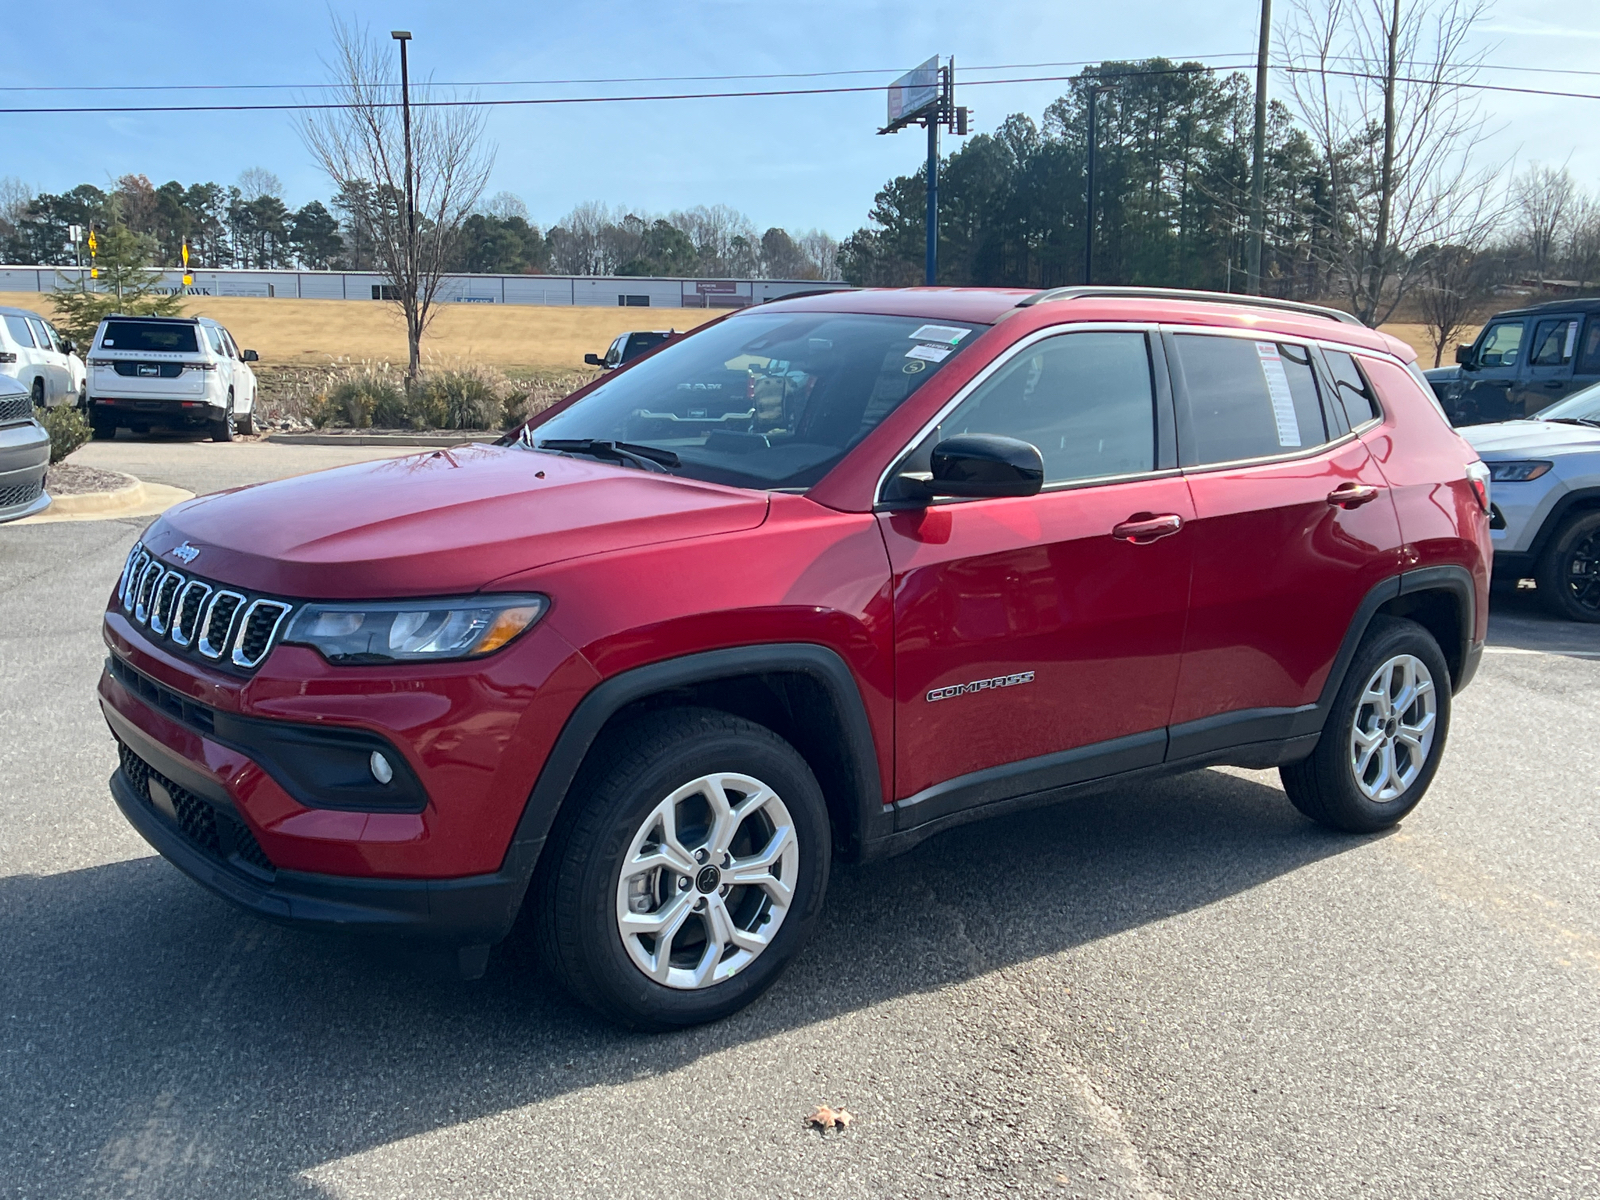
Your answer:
<point x="176" y="372"/>
<point x="33" y="352"/>
<point x="1545" y="519"/>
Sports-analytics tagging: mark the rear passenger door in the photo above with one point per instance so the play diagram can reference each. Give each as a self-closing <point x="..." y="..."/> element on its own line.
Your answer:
<point x="1293" y="525"/>
<point x="1547" y="375"/>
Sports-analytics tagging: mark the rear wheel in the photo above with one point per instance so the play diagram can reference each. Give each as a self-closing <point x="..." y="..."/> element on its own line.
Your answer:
<point x="686" y="872"/>
<point x="222" y="427"/>
<point x="245" y="423"/>
<point x="38" y="393"/>
<point x="1384" y="735"/>
<point x="1569" y="570"/>
<point x="102" y="426"/>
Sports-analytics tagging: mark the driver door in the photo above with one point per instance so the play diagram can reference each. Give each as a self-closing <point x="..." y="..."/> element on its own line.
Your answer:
<point x="1037" y="638"/>
<point x="1487" y="382"/>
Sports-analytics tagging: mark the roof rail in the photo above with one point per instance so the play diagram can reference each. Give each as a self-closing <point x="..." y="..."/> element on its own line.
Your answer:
<point x="1154" y="293"/>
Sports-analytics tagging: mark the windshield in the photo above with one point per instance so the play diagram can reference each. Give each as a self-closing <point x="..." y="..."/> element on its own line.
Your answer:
<point x="149" y="337"/>
<point x="767" y="400"/>
<point x="1580" y="406"/>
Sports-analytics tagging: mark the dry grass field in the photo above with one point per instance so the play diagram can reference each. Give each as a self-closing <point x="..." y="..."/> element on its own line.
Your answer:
<point x="311" y="332"/>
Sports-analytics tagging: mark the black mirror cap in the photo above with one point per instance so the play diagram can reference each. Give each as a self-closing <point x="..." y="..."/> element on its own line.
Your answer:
<point x="593" y="360"/>
<point x="984" y="464"/>
<point x="250" y="356"/>
<point x="1464" y="355"/>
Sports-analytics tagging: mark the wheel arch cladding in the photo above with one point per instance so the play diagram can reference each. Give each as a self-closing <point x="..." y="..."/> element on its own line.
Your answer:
<point x="804" y="693"/>
<point x="1440" y="599"/>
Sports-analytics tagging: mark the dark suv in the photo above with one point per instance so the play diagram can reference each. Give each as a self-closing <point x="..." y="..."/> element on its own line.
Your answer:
<point x="1523" y="360"/>
<point x="818" y="579"/>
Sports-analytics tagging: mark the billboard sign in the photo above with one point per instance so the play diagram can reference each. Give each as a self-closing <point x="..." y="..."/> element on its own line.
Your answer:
<point x="914" y="93"/>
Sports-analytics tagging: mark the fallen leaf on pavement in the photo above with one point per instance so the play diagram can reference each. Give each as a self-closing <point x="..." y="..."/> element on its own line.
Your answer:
<point x="829" y="1118"/>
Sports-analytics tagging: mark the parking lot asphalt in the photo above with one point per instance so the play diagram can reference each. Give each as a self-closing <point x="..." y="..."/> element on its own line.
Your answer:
<point x="1179" y="989"/>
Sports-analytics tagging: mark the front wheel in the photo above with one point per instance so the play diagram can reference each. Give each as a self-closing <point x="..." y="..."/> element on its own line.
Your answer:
<point x="1384" y="735"/>
<point x="1569" y="571"/>
<point x="686" y="871"/>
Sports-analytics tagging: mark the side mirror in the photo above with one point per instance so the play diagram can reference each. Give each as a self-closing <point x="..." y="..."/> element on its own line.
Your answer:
<point x="1464" y="355"/>
<point x="983" y="464"/>
<point x="593" y="360"/>
<point x="68" y="346"/>
<point x="249" y="356"/>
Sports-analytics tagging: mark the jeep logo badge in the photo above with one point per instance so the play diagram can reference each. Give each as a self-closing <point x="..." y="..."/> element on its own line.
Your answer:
<point x="186" y="552"/>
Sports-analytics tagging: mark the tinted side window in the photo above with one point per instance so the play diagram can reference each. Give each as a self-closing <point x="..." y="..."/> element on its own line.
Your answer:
<point x="41" y="339"/>
<point x="1355" y="393"/>
<point x="1086" y="400"/>
<point x="1248" y="399"/>
<point x="1553" y="342"/>
<point x="20" y="333"/>
<point x="214" y="336"/>
<point x="1589" y="351"/>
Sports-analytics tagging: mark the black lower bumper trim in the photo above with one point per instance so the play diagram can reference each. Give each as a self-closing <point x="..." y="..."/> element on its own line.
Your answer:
<point x="469" y="911"/>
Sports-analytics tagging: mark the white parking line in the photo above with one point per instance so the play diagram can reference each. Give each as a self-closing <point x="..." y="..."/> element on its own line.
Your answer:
<point x="1521" y="650"/>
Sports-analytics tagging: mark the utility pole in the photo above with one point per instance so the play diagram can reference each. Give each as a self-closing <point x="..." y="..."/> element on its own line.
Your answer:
<point x="930" y="272"/>
<point x="1258" y="160"/>
<point x="1088" y="196"/>
<point x="403" y="36"/>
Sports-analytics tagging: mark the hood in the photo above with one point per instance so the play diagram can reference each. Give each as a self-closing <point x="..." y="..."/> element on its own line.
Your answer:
<point x="1523" y="439"/>
<point x="437" y="524"/>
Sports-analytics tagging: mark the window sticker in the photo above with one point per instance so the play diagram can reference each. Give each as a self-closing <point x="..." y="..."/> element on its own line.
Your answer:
<point x="1572" y="340"/>
<point x="1278" y="389"/>
<point x="949" y="334"/>
<point x="932" y="353"/>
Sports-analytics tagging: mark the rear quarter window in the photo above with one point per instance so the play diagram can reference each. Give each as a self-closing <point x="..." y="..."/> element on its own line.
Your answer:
<point x="17" y="327"/>
<point x="1247" y="399"/>
<point x="1352" y="389"/>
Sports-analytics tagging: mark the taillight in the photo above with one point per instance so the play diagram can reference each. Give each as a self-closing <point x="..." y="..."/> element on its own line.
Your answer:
<point x="101" y="362"/>
<point x="8" y="356"/>
<point x="1478" y="477"/>
<point x="200" y="366"/>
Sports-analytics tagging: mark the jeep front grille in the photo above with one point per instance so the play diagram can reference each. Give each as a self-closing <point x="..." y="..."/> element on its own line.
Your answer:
<point x="215" y="624"/>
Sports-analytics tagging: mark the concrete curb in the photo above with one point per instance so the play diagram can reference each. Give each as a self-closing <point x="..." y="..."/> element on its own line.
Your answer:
<point x="137" y="499"/>
<point x="382" y="439"/>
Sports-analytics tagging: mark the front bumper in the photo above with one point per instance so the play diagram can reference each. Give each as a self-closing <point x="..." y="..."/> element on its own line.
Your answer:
<point x="207" y="841"/>
<point x="24" y="459"/>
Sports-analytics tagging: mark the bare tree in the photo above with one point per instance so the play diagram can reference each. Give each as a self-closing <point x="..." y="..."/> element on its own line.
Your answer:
<point x="1378" y="83"/>
<point x="1452" y="295"/>
<point x="363" y="142"/>
<point x="504" y="206"/>
<point x="256" y="182"/>
<point x="1543" y="197"/>
<point x="1583" y="239"/>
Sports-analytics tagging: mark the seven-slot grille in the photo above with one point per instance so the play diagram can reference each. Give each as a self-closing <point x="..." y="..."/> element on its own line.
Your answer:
<point x="15" y="408"/>
<point x="205" y="619"/>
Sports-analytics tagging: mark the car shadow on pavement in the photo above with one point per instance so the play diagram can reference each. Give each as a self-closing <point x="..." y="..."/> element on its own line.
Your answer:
<point x="156" y="1041"/>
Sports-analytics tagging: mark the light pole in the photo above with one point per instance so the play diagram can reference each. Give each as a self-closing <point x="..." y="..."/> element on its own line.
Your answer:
<point x="1088" y="198"/>
<point x="403" y="36"/>
<point x="1258" y="159"/>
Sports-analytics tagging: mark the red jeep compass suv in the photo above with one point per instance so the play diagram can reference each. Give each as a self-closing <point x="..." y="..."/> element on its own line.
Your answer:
<point x="821" y="578"/>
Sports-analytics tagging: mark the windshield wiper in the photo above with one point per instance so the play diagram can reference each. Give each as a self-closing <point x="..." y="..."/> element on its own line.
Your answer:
<point x="1573" y="421"/>
<point x="648" y="458"/>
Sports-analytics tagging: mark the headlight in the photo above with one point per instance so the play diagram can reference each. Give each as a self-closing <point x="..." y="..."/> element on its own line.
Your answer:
<point x="1518" y="472"/>
<point x="414" y="630"/>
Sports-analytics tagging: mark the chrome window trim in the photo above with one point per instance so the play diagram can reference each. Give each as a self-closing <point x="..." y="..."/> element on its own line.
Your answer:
<point x="1269" y="459"/>
<point x="238" y="657"/>
<point x="179" y="638"/>
<point x="1145" y="327"/>
<point x="159" y="622"/>
<point x="203" y="642"/>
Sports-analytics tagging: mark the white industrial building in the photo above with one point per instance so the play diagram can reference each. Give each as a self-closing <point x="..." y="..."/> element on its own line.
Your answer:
<point x="591" y="290"/>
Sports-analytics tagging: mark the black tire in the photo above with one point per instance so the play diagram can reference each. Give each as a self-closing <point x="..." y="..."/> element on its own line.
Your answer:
<point x="102" y="428"/>
<point x="1324" y="786"/>
<point x="83" y="399"/>
<point x="1569" y="570"/>
<point x="246" y="424"/>
<point x="627" y="775"/>
<point x="38" y="393"/>
<point x="222" y="427"/>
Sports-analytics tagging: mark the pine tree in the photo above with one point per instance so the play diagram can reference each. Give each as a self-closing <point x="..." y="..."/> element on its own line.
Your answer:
<point x="128" y="286"/>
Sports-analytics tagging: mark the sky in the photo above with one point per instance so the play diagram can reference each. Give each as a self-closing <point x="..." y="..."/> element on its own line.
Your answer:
<point x="801" y="162"/>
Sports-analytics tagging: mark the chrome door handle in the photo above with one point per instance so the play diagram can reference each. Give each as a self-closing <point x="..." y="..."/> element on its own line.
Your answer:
<point x="1143" y="528"/>
<point x="1352" y="495"/>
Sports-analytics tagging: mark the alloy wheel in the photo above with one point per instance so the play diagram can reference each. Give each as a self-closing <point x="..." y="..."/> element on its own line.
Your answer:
<point x="707" y="881"/>
<point x="1394" y="726"/>
<point x="1582" y="575"/>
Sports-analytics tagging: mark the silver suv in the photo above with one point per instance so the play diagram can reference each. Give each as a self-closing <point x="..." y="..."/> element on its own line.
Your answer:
<point x="24" y="453"/>
<point x="176" y="372"/>
<point x="1545" y="519"/>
